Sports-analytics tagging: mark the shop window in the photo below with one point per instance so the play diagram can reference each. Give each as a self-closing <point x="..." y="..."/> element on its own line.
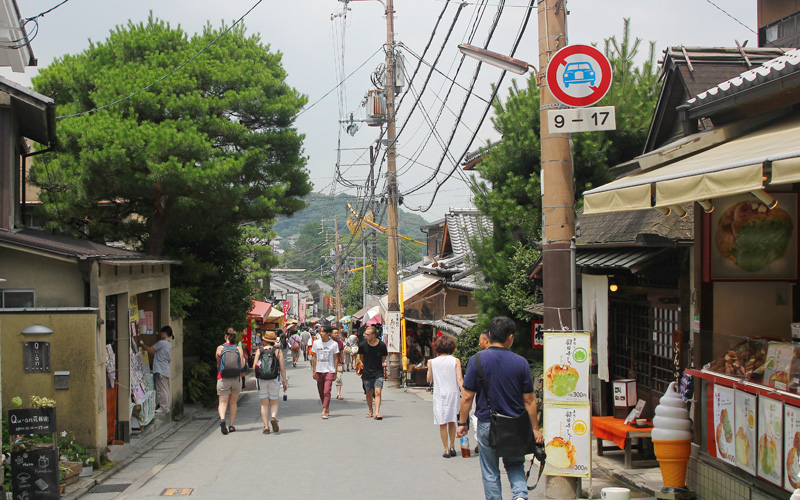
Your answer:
<point x="463" y="300"/>
<point x="10" y="299"/>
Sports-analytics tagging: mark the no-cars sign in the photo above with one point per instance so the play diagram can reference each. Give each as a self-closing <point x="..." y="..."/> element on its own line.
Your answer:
<point x="579" y="75"/>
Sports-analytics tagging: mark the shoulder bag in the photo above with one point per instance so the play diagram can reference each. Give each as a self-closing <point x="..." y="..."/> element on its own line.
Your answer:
<point x="509" y="436"/>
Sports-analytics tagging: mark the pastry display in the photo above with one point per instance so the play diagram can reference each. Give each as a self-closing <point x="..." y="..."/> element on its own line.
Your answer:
<point x="779" y="380"/>
<point x="561" y="454"/>
<point x="752" y="236"/>
<point x="767" y="453"/>
<point x="742" y="447"/>
<point x="746" y="359"/>
<point x="561" y="379"/>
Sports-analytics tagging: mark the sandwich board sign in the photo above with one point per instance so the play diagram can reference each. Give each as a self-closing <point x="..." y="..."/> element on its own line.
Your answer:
<point x="579" y="75"/>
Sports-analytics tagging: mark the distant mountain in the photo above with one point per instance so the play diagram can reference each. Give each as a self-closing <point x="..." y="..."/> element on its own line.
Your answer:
<point x="319" y="208"/>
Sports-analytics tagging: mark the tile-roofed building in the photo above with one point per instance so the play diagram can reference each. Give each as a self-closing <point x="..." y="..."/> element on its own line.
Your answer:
<point x="640" y="227"/>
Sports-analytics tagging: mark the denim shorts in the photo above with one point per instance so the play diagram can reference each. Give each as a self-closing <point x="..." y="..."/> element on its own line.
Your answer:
<point x="372" y="383"/>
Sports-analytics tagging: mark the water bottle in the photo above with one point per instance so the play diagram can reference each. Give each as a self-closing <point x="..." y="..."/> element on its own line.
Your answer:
<point x="284" y="395"/>
<point x="465" y="453"/>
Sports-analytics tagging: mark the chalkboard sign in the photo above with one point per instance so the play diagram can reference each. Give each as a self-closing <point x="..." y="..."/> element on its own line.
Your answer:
<point x="32" y="421"/>
<point x="34" y="474"/>
<point x="36" y="356"/>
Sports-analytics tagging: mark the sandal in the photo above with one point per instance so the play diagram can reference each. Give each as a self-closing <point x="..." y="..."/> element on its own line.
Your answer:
<point x="231" y="428"/>
<point x="339" y="397"/>
<point x="452" y="452"/>
<point x="325" y="416"/>
<point x="369" y="415"/>
<point x="274" y="422"/>
<point x="446" y="454"/>
<point x="265" y="431"/>
<point x="378" y="417"/>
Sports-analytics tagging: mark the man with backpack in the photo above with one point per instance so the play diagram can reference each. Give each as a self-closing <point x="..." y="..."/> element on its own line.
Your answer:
<point x="230" y="366"/>
<point x="270" y="371"/>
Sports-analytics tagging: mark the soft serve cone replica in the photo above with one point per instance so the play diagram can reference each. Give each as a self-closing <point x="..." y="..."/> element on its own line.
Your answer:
<point x="672" y="437"/>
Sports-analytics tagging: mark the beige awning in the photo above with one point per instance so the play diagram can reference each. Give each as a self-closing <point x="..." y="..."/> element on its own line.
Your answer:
<point x="734" y="167"/>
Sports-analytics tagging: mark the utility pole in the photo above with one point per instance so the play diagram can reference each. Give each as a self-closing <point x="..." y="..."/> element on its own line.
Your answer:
<point x="391" y="159"/>
<point x="558" y="206"/>
<point x="338" y="273"/>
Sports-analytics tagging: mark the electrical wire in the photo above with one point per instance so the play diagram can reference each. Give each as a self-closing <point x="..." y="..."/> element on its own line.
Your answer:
<point x="426" y="63"/>
<point x="175" y="70"/>
<point x="28" y="37"/>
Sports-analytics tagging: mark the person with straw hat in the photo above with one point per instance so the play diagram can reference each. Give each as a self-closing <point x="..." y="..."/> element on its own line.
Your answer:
<point x="269" y="391"/>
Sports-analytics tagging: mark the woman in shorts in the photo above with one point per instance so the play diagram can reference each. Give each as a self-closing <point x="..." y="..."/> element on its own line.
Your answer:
<point x="269" y="391"/>
<point x="228" y="389"/>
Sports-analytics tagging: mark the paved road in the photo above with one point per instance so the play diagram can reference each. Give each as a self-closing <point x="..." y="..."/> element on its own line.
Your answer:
<point x="347" y="456"/>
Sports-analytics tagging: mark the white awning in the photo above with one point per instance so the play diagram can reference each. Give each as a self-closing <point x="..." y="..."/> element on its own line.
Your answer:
<point x="734" y="167"/>
<point x="412" y="287"/>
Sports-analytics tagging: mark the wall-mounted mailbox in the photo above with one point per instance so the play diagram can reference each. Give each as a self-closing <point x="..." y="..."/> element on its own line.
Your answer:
<point x="62" y="379"/>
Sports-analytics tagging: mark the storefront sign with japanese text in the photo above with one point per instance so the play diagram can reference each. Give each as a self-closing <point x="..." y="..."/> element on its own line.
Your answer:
<point x="770" y="440"/>
<point x="32" y="421"/>
<point x="286" y="311"/>
<point x="391" y="331"/>
<point x="724" y="422"/>
<point x="567" y="440"/>
<point x="745" y="433"/>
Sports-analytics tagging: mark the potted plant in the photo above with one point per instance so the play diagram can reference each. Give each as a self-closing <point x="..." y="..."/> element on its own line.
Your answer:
<point x="63" y="470"/>
<point x="88" y="467"/>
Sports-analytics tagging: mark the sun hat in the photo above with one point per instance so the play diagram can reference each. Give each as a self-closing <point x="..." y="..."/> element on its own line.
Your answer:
<point x="270" y="337"/>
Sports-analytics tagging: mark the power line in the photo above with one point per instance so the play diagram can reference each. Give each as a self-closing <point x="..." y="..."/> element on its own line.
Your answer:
<point x="168" y="74"/>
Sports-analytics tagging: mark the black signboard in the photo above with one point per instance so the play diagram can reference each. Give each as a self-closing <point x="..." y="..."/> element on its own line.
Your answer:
<point x="36" y="356"/>
<point x="32" y="421"/>
<point x="34" y="474"/>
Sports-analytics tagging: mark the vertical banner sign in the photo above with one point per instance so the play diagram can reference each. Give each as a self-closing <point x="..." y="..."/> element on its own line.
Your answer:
<point x="301" y="314"/>
<point x="391" y="331"/>
<point x="791" y="473"/>
<point x="724" y="422"/>
<point x="770" y="440"/>
<point x="567" y="410"/>
<point x="537" y="334"/>
<point x="745" y="438"/>
<point x="285" y="311"/>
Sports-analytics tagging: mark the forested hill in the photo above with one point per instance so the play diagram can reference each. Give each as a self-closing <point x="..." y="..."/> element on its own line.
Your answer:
<point x="320" y="207"/>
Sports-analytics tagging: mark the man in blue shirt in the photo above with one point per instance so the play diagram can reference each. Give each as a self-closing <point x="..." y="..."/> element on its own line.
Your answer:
<point x="508" y="382"/>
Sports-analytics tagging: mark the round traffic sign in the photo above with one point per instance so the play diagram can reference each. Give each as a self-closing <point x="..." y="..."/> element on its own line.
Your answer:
<point x="579" y="75"/>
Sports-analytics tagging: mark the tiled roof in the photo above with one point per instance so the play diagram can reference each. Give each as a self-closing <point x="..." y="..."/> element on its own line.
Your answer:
<point x="283" y="282"/>
<point x="643" y="227"/>
<point x="70" y="247"/>
<point x="463" y="224"/>
<point x="773" y="69"/>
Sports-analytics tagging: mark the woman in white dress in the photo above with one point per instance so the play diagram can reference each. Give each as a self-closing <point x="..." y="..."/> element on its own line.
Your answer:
<point x="445" y="373"/>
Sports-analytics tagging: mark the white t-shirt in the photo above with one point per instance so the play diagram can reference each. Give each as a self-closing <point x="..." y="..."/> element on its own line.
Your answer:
<point x="325" y="352"/>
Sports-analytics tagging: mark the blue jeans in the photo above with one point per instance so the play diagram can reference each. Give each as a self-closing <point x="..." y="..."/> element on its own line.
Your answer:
<point x="490" y="469"/>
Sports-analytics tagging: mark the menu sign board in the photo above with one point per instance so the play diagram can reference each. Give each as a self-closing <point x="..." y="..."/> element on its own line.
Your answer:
<point x="567" y="439"/>
<point x="567" y="358"/>
<point x="724" y="404"/>
<point x="770" y="440"/>
<point x="791" y="423"/>
<point x="34" y="474"/>
<point x="778" y="365"/>
<point x="745" y="437"/>
<point x="32" y="421"/>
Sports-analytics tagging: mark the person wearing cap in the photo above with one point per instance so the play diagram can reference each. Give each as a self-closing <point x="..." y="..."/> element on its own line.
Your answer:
<point x="162" y="355"/>
<point x="269" y="391"/>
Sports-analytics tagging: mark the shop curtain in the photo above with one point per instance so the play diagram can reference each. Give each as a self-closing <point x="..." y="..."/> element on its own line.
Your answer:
<point x="595" y="317"/>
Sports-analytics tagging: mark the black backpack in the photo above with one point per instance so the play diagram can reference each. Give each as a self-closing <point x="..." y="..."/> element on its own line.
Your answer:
<point x="230" y="364"/>
<point x="268" y="366"/>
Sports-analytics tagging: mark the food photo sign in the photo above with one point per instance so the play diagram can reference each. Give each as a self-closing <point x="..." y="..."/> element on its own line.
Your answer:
<point x="778" y="365"/>
<point x="791" y="472"/>
<point x="770" y="440"/>
<point x="724" y="403"/>
<point x="753" y="241"/>
<point x="567" y="440"/>
<point x="745" y="423"/>
<point x="567" y="359"/>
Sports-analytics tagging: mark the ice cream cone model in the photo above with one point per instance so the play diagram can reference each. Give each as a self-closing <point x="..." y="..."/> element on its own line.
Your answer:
<point x="672" y="437"/>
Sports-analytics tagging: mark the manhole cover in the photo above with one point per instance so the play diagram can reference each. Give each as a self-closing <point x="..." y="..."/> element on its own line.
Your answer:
<point x="110" y="488"/>
<point x="177" y="492"/>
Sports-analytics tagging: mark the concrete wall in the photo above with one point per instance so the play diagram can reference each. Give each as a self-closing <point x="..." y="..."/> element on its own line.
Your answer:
<point x="57" y="282"/>
<point x="71" y="349"/>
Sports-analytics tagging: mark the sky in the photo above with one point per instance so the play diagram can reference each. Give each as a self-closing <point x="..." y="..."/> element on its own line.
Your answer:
<point x="322" y="45"/>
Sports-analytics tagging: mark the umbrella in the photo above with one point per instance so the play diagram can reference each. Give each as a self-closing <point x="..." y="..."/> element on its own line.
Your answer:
<point x="346" y="319"/>
<point x="372" y="317"/>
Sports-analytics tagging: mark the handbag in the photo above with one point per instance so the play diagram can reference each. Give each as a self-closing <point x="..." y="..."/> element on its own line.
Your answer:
<point x="348" y="349"/>
<point x="509" y="436"/>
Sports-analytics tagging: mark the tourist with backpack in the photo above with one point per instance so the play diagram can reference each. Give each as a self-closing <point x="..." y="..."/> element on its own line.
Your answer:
<point x="230" y="366"/>
<point x="270" y="372"/>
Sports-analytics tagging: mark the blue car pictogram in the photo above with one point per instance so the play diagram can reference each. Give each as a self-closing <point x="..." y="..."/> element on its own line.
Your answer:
<point x="578" y="72"/>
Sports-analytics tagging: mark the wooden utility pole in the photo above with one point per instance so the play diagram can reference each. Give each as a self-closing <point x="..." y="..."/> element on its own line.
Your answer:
<point x="558" y="206"/>
<point x="338" y="273"/>
<point x="391" y="160"/>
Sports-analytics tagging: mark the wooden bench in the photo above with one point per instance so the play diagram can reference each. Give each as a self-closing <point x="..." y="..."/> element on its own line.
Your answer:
<point x="615" y="430"/>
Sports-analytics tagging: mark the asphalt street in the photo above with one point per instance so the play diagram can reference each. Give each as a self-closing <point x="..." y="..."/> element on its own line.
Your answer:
<point x="348" y="456"/>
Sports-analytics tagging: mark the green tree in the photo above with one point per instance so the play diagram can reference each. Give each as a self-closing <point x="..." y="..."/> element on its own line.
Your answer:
<point x="509" y="188"/>
<point x="180" y="167"/>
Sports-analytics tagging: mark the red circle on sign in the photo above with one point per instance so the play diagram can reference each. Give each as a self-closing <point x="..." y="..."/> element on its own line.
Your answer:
<point x="598" y="92"/>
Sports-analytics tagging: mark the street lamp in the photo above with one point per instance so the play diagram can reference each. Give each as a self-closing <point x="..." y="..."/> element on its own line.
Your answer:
<point x="501" y="61"/>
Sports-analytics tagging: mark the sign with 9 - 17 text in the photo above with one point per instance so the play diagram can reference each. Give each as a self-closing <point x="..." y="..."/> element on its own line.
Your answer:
<point x="581" y="119"/>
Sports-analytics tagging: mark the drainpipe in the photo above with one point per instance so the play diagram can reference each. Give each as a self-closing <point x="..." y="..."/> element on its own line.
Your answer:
<point x="573" y="276"/>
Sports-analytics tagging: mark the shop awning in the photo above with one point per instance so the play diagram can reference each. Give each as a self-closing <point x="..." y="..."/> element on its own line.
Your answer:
<point x="734" y="167"/>
<point x="273" y="315"/>
<point x="259" y="310"/>
<point x="633" y="259"/>
<point x="412" y="287"/>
